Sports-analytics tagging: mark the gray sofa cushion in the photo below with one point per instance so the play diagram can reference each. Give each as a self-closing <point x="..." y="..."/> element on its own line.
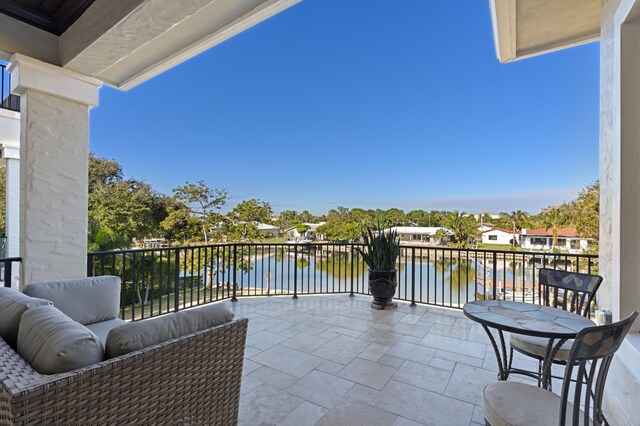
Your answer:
<point x="102" y="329"/>
<point x="141" y="334"/>
<point x="13" y="303"/>
<point x="51" y="342"/>
<point x="86" y="300"/>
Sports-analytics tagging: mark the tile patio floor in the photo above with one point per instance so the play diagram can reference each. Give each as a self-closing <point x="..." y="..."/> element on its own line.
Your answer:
<point x="332" y="360"/>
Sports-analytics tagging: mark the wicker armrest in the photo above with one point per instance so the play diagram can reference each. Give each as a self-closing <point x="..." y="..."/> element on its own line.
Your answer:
<point x="191" y="379"/>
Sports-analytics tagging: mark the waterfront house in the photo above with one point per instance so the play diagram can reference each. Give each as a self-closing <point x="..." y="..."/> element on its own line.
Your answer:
<point x="417" y="234"/>
<point x="499" y="236"/>
<point x="292" y="234"/>
<point x="542" y="239"/>
<point x="268" y="231"/>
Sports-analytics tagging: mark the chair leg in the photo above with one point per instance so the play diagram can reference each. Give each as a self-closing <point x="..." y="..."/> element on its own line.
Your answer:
<point x="539" y="373"/>
<point x="510" y="358"/>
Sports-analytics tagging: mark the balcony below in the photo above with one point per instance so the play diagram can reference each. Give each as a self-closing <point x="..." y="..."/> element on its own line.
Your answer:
<point x="332" y="360"/>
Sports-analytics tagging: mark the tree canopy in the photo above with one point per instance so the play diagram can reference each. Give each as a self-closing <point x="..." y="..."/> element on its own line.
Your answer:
<point x="122" y="209"/>
<point x="129" y="208"/>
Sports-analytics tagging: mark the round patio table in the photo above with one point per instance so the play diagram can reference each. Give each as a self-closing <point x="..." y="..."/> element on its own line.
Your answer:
<point x="529" y="319"/>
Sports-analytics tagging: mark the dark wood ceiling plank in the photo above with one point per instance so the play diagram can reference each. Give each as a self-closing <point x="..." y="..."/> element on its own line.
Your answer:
<point x="15" y="10"/>
<point x="68" y="13"/>
<point x="54" y="16"/>
<point x="49" y="7"/>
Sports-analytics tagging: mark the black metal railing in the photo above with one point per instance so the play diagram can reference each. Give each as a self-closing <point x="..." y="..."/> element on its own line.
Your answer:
<point x="161" y="280"/>
<point x="7" y="100"/>
<point x="6" y="269"/>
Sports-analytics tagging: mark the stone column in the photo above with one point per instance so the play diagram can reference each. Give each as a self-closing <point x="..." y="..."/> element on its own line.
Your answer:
<point x="10" y="153"/>
<point x="54" y="136"/>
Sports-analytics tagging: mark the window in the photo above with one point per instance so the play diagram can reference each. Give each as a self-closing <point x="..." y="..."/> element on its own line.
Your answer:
<point x="416" y="237"/>
<point x="562" y="242"/>
<point x="538" y="241"/>
<point x="575" y="244"/>
<point x="493" y="238"/>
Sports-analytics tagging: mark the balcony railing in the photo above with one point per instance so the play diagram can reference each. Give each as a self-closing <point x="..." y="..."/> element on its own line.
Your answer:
<point x="7" y="100"/>
<point x="161" y="280"/>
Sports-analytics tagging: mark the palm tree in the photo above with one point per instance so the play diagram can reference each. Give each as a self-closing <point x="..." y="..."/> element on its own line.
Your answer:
<point x="517" y="219"/>
<point x="552" y="220"/>
<point x="462" y="227"/>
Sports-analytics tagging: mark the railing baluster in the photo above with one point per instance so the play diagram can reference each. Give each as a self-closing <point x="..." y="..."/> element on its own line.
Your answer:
<point x="413" y="276"/>
<point x="295" y="271"/>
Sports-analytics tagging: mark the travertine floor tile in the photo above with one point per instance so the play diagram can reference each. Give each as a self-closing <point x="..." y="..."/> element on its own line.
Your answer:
<point x="287" y="360"/>
<point x="467" y="383"/>
<point x="423" y="376"/>
<point x="423" y="406"/>
<point x="367" y="373"/>
<point x="321" y="388"/>
<point x="266" y="405"/>
<point x="354" y="412"/>
<point x="307" y="414"/>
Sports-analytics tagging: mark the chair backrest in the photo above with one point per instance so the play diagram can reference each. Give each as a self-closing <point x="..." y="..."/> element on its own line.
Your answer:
<point x="566" y="290"/>
<point x="591" y="355"/>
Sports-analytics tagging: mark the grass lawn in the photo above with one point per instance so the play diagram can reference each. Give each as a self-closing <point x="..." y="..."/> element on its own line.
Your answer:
<point x="187" y="298"/>
<point x="504" y="247"/>
<point x="272" y="240"/>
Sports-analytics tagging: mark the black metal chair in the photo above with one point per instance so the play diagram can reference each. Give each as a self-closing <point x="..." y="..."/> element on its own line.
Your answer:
<point x="570" y="291"/>
<point x="520" y="404"/>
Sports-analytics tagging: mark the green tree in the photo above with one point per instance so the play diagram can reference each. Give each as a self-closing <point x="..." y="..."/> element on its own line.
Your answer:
<point x="129" y="208"/>
<point x="517" y="219"/>
<point x="552" y="220"/>
<point x="287" y="219"/>
<point x="126" y="207"/>
<point x="302" y="228"/>
<point x="104" y="239"/>
<point x="364" y="218"/>
<point x="585" y="212"/>
<point x="305" y="216"/>
<point x="252" y="211"/>
<point x="340" y="226"/>
<point x="419" y="217"/>
<point x="203" y="202"/>
<point x="462" y="226"/>
<point x="244" y="217"/>
<point x="180" y="225"/>
<point x="441" y="236"/>
<point x="393" y="217"/>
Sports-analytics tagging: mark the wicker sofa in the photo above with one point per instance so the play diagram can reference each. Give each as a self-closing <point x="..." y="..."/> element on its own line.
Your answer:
<point x="192" y="379"/>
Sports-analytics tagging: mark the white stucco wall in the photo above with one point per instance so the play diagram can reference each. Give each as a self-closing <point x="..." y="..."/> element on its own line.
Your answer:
<point x="54" y="145"/>
<point x="502" y="237"/>
<point x="619" y="195"/>
<point x="54" y="182"/>
<point x="562" y="245"/>
<point x="9" y="127"/>
<point x="10" y="144"/>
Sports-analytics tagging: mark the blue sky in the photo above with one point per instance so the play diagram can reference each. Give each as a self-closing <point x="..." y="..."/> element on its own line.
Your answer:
<point x="371" y="104"/>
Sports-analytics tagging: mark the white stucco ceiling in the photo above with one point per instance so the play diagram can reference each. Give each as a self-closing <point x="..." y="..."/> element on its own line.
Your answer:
<point x="524" y="28"/>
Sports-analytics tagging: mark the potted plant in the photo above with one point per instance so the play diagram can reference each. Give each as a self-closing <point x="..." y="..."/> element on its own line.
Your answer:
<point x="380" y="253"/>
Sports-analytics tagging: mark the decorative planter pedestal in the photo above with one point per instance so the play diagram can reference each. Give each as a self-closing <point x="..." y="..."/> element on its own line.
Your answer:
<point x="382" y="285"/>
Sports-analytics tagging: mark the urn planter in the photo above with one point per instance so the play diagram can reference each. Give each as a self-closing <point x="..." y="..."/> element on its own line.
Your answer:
<point x="380" y="251"/>
<point x="382" y="286"/>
